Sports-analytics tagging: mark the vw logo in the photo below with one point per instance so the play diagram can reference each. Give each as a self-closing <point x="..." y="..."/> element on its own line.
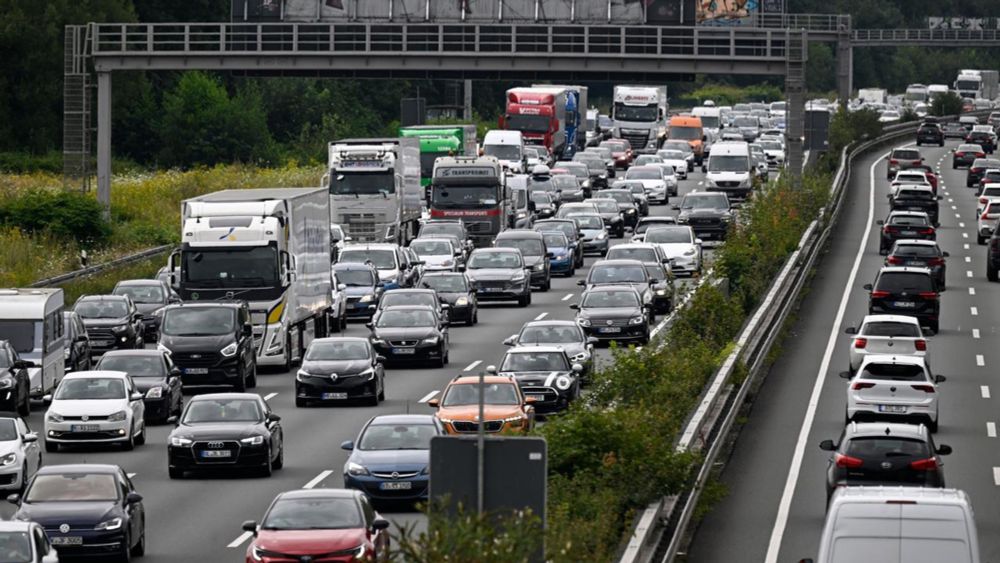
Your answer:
<point x="886" y="465"/>
<point x="85" y="418"/>
<point x="610" y="322"/>
<point x="395" y="475"/>
<point x="333" y="377"/>
<point x="215" y="445"/>
<point x="229" y="294"/>
<point x="64" y="528"/>
<point x="305" y="559"/>
<point x="892" y="389"/>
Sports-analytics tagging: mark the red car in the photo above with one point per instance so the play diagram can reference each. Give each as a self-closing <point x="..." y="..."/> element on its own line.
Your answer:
<point x="321" y="526"/>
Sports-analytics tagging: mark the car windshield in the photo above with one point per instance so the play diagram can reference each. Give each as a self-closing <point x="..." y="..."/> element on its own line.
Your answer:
<point x="727" y="163"/>
<point x="705" y="201"/>
<point x="770" y="145"/>
<point x="969" y="148"/>
<point x="550" y="335"/>
<point x="468" y="394"/>
<point x="222" y="410"/>
<point x="534" y="361"/>
<point x="451" y="229"/>
<point x="893" y="372"/>
<point x="896" y="282"/>
<point x="5" y="359"/>
<point x="320" y="513"/>
<point x="647" y="159"/>
<point x="502" y="260"/>
<point x="640" y="254"/>
<point x="424" y="247"/>
<point x="528" y="247"/>
<point x="8" y="430"/>
<point x="101" y="309"/>
<point x="606" y="206"/>
<point x="643" y="227"/>
<point x="613" y="273"/>
<point x="671" y="155"/>
<point x="555" y="240"/>
<point x="91" y="389"/>
<point x="403" y="297"/>
<point x="889" y="328"/>
<point x="337" y="350"/>
<point x="72" y="487"/>
<point x="381" y="259"/>
<point x="142" y="293"/>
<point x="445" y="284"/>
<point x="541" y="197"/>
<point x="909" y="220"/>
<point x="135" y="366"/>
<point x="605" y="299"/>
<point x="565" y="182"/>
<point x="408" y="318"/>
<point x="915" y="194"/>
<point x="643" y="174"/>
<point x="336" y="233"/>
<point x="199" y="321"/>
<point x="15" y="547"/>
<point x="588" y="221"/>
<point x="356" y="278"/>
<point x="682" y="146"/>
<point x="685" y="133"/>
<point x="567" y="229"/>
<point x="749" y="122"/>
<point x="503" y="152"/>
<point x="885" y="447"/>
<point x="383" y="437"/>
<point x="905" y="154"/>
<point x="670" y="235"/>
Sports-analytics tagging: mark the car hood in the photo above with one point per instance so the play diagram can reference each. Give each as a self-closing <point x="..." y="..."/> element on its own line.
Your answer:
<point x="471" y="412"/>
<point x="144" y="384"/>
<point x="358" y="290"/>
<point x="94" y="323"/>
<point x="677" y="164"/>
<point x="675" y="249"/>
<point x="590" y="233"/>
<point x="704" y="213"/>
<point x="9" y="446"/>
<point x="76" y="514"/>
<point x="557" y="250"/>
<point x="571" y="349"/>
<point x="147" y="308"/>
<point x="212" y="343"/>
<point x="728" y="176"/>
<point x="218" y="430"/>
<point x="610" y="312"/>
<point x="530" y="261"/>
<point x="438" y="260"/>
<point x="408" y="333"/>
<point x="344" y="367"/>
<point x="450" y="297"/>
<point x="310" y="542"/>
<point x="492" y="273"/>
<point x="652" y="183"/>
<point x="533" y="378"/>
<point x="90" y="407"/>
<point x="392" y="460"/>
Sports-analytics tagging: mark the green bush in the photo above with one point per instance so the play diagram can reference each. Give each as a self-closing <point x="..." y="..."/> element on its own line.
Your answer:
<point x="67" y="215"/>
<point x="726" y="95"/>
<point x="21" y="162"/>
<point x="461" y="538"/>
<point x="105" y="281"/>
<point x="948" y="103"/>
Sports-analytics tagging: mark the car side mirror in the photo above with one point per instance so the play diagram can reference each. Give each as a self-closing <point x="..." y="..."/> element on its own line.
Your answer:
<point x="271" y="417"/>
<point x="675" y="207"/>
<point x="592" y="340"/>
<point x="851" y="330"/>
<point x="347" y="445"/>
<point x="47" y="398"/>
<point x="827" y="445"/>
<point x="945" y="254"/>
<point x="582" y="283"/>
<point x="247" y="330"/>
<point x="380" y="524"/>
<point x="136" y="396"/>
<point x="173" y="300"/>
<point x="14" y="499"/>
<point x="575" y="306"/>
<point x="133" y="498"/>
<point x="867" y="286"/>
<point x="369" y="326"/>
<point x="341" y="286"/>
<point x="380" y="285"/>
<point x="491" y="369"/>
<point x="380" y="359"/>
<point x="845" y="375"/>
<point x="434" y="403"/>
<point x="511" y="340"/>
<point x="29" y="438"/>
<point x="943" y="449"/>
<point x="805" y="561"/>
<point x="549" y="255"/>
<point x="250" y="526"/>
<point x="704" y="169"/>
<point x="23" y="364"/>
<point x="940" y="379"/>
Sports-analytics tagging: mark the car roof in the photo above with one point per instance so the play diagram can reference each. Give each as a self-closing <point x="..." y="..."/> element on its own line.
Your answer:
<point x="370" y="246"/>
<point x="139" y="282"/>
<point x="405" y="290"/>
<point x="901" y="213"/>
<point x="631" y="245"/>
<point x="890" y="319"/>
<point x="319" y="493"/>
<point x="353" y="266"/>
<point x="103" y="297"/>
<point x="446" y="273"/>
<point x="548" y="323"/>
<point x="534" y="349"/>
<point x="616" y="262"/>
<point x="518" y="233"/>
<point x="134" y="352"/>
<point x="487" y="249"/>
<point x="474" y="379"/>
<point x="15" y="525"/>
<point x="904" y="269"/>
<point x="880" y="494"/>
<point x="94" y="373"/>
<point x="390" y="419"/>
<point x="224" y="396"/>
<point x="890" y="359"/>
<point x="917" y="187"/>
<point x="206" y="304"/>
<point x="894" y="429"/>
<point x="77" y="468"/>
<point x="917" y="242"/>
<point x="340" y="339"/>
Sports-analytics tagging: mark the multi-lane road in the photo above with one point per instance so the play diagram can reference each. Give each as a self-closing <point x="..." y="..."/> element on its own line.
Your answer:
<point x="199" y="518"/>
<point x="775" y="506"/>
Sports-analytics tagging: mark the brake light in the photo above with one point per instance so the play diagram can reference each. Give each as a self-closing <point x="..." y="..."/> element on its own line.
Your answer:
<point x="879" y="294"/>
<point x="921" y="345"/>
<point x="982" y="200"/>
<point x="980" y="155"/>
<point x="985" y="216"/>
<point x="860" y="343"/>
<point x="935" y="262"/>
<point x="896" y="260"/>
<point x="893" y="162"/>
<point x="915" y="162"/>
<point x="924" y="388"/>
<point x="929" y="464"/>
<point x="975" y="170"/>
<point x="960" y="154"/>
<point x="890" y="229"/>
<point x="859" y="386"/>
<point x="929" y="295"/>
<point x="848" y="462"/>
<point x="927" y="232"/>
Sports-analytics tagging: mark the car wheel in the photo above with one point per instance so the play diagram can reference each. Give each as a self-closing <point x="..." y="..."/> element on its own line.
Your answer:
<point x="991" y="273"/>
<point x="267" y="469"/>
<point x="980" y="239"/>
<point x="240" y="385"/>
<point x="126" y="553"/>
<point x="933" y="426"/>
<point x="381" y="391"/>
<point x="140" y="546"/>
<point x="25" y="408"/>
<point x="129" y="444"/>
<point x="141" y="438"/>
<point x="280" y="462"/>
<point x="548" y="284"/>
<point x="252" y="380"/>
<point x="523" y="301"/>
<point x="175" y="473"/>
<point x="51" y="447"/>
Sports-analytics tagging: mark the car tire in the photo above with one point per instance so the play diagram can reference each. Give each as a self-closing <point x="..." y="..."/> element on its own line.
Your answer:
<point x="280" y="461"/>
<point x="125" y="555"/>
<point x="252" y="380"/>
<point x="175" y="473"/>
<point x="25" y="408"/>
<point x="547" y="285"/>
<point x="934" y="326"/>
<point x="991" y="273"/>
<point x="381" y="392"/>
<point x="141" y="438"/>
<point x="267" y="469"/>
<point x="129" y="444"/>
<point x="51" y="447"/>
<point x="139" y="549"/>
<point x="523" y="301"/>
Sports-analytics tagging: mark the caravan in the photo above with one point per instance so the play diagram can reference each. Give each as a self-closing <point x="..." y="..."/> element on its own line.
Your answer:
<point x="32" y="321"/>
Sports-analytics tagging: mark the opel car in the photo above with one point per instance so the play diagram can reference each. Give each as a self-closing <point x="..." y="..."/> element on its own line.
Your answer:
<point x="390" y="459"/>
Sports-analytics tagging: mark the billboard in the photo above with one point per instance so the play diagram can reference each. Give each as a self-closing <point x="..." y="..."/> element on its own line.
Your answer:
<point x="964" y="24"/>
<point x="725" y="12"/>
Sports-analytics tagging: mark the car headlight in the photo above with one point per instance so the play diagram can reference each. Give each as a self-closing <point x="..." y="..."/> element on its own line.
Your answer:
<point x="118" y="416"/>
<point x="710" y="183"/>
<point x="690" y="252"/>
<point x="560" y="256"/>
<point x="180" y="441"/>
<point x="514" y="420"/>
<point x="112" y="524"/>
<point x="462" y="301"/>
<point x="583" y="322"/>
<point x="661" y="292"/>
<point x="252" y="441"/>
<point x="630" y="211"/>
<point x="602" y="235"/>
<point x="448" y="263"/>
<point x="563" y="383"/>
<point x="154" y="393"/>
<point x="367" y="298"/>
<point x="161" y="348"/>
<point x="369" y="374"/>
<point x="521" y="214"/>
<point x="120" y="328"/>
<point x="636" y="321"/>
<point x="360" y="552"/>
<point x="256" y="553"/>
<point x="682" y="220"/>
<point x="581" y="357"/>
<point x="229" y="351"/>
<point x="518" y="277"/>
<point x="538" y="267"/>
<point x="356" y="468"/>
<point x="430" y="340"/>
<point x="53" y="417"/>
<point x="6" y="382"/>
<point x="9" y="459"/>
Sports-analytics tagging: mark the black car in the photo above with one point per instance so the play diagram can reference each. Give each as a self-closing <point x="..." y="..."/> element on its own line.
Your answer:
<point x="647" y="223"/>
<point x="628" y="272"/>
<point x="226" y="431"/>
<point x="611" y="214"/>
<point x="545" y="204"/>
<point x="597" y="169"/>
<point x="977" y="169"/>
<point x="993" y="256"/>
<point x="569" y="228"/>
<point x="537" y="259"/>
<point x="76" y="343"/>
<point x="112" y="322"/>
<point x="411" y="333"/>
<point x="657" y="266"/>
<point x="930" y="134"/>
<point x="15" y="385"/>
<point x="569" y="186"/>
<point x="455" y="290"/>
<point x="613" y="312"/>
<point x="564" y="334"/>
<point x="154" y="375"/>
<point x="904" y="225"/>
<point x="149" y="296"/>
<point x="417" y="296"/>
<point x="211" y="343"/>
<point x="965" y="155"/>
<point x="985" y="139"/>
<point x="906" y="291"/>
<point x="545" y="373"/>
<point x="916" y="198"/>
<point x="919" y="254"/>
<point x="363" y="289"/>
<point x="499" y="274"/>
<point x="340" y="369"/>
<point x="880" y="453"/>
<point x="709" y="214"/>
<point x="638" y="191"/>
<point x="88" y="510"/>
<point x="626" y="205"/>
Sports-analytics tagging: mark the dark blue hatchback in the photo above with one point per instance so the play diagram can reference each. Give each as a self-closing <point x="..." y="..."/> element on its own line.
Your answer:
<point x="390" y="461"/>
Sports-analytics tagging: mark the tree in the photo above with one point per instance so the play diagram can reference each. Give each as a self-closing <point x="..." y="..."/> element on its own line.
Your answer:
<point x="948" y="103"/>
<point x="821" y="70"/>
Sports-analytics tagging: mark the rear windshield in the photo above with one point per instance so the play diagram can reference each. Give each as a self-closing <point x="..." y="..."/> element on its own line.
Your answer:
<point x="921" y="250"/>
<point x="885" y="328"/>
<point x="896" y="282"/>
<point x="880" y="447"/>
<point x="908" y="220"/>
<point x="640" y="254"/>
<point x="905" y="154"/>
<point x="894" y="372"/>
<point x="915" y="194"/>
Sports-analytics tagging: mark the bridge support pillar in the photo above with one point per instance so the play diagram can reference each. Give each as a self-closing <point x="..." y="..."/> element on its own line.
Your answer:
<point x="104" y="141"/>
<point x="467" y="102"/>
<point x="845" y="70"/>
<point x="795" y="86"/>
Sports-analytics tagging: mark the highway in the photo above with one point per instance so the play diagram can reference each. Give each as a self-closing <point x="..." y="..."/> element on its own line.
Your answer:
<point x="199" y="518"/>
<point x="775" y="506"/>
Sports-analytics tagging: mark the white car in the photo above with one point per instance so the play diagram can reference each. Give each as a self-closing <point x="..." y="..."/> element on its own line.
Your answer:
<point x="893" y="388"/>
<point x="657" y="185"/>
<point x="26" y="542"/>
<point x="95" y="407"/>
<point x="676" y="159"/>
<point x="986" y="221"/>
<point x="990" y="193"/>
<point x="887" y="334"/>
<point x="20" y="454"/>
<point x="889" y="116"/>
<point x="438" y="254"/>
<point x="774" y="152"/>
<point x="910" y="177"/>
<point x="680" y="245"/>
<point x="338" y="304"/>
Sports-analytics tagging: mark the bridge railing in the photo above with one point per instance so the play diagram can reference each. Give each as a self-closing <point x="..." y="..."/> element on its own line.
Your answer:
<point x="887" y="36"/>
<point x="830" y="23"/>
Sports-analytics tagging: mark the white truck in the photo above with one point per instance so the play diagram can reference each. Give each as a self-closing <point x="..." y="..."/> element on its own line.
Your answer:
<point x="915" y="94"/>
<point x="977" y="84"/>
<point x="374" y="186"/>
<point x="31" y="321"/>
<point x="871" y="96"/>
<point x="640" y="116"/>
<point x="711" y="123"/>
<point x="269" y="247"/>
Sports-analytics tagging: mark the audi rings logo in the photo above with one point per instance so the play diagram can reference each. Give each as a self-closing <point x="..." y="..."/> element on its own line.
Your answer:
<point x="215" y="445"/>
<point x="64" y="528"/>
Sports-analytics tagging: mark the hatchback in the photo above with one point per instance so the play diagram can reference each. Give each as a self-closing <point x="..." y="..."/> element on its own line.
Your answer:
<point x="893" y="388"/>
<point x="906" y="291"/>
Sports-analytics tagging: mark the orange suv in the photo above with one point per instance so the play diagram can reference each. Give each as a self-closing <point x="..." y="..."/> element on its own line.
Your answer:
<point x="506" y="410"/>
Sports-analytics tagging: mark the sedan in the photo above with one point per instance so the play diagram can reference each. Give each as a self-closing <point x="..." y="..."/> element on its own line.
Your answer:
<point x="893" y="388"/>
<point x="420" y="296"/>
<point x="86" y="509"/>
<point x="454" y="290"/>
<point x="499" y="274"/>
<point x="613" y="312"/>
<point x="411" y="333"/>
<point x="887" y="334"/>
<point x="26" y="542"/>
<point x="226" y="431"/>
<point x="15" y="383"/>
<point x="563" y="334"/>
<point x="390" y="459"/>
<point x="966" y="154"/>
<point x="676" y="159"/>
<point x="95" y="407"/>
<point x="545" y="373"/>
<point x="20" y="454"/>
<point x="658" y="187"/>
<point x="680" y="246"/>
<point x="339" y="369"/>
<point x="319" y="525"/>
<point x="154" y="375"/>
<point x="622" y="272"/>
<point x="149" y="297"/>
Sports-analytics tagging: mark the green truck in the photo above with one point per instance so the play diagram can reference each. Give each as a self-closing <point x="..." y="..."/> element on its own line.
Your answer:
<point x="440" y="140"/>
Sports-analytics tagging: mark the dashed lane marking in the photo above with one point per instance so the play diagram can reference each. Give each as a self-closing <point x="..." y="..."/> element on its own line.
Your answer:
<point x="968" y="258"/>
<point x="975" y="333"/>
<point x="568" y="296"/>
<point x="984" y="390"/>
<point x="991" y="429"/>
<point x="318" y="479"/>
<point x="996" y="476"/>
<point x="541" y="316"/>
<point x="965" y="235"/>
<point x="428" y="396"/>
<point x="968" y="273"/>
<point x="966" y="246"/>
<point x="473" y="365"/>
<point x="239" y="541"/>
<point x="972" y="291"/>
<point x="974" y="311"/>
<point x="960" y="224"/>
<point x="270" y="396"/>
<point x="980" y="360"/>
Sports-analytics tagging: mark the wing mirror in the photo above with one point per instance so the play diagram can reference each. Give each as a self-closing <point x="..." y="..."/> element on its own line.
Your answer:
<point x="29" y="438"/>
<point x="581" y="283"/>
<point x="380" y="524"/>
<point x="845" y="375"/>
<point x="511" y="340"/>
<point x="347" y="445"/>
<point x="491" y="369"/>
<point x="867" y="286"/>
<point x="380" y="359"/>
<point x="827" y="445"/>
<point x="880" y="222"/>
<point x="133" y="498"/>
<point x="250" y="526"/>
<point x="577" y="368"/>
<point x="136" y="396"/>
<point x="851" y="330"/>
<point x="271" y="417"/>
<point x="575" y="306"/>
<point x="945" y="254"/>
<point x="593" y="340"/>
<point x="940" y="379"/>
<point x="14" y="499"/>
<point x="435" y="403"/>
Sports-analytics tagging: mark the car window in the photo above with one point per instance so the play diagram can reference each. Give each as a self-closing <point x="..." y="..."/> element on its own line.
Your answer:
<point x="406" y="318"/>
<point x="640" y="254"/>
<point x="550" y="335"/>
<point x="528" y="247"/>
<point x="198" y="321"/>
<point x="381" y="259"/>
<point x="321" y="513"/>
<point x="920" y="250"/>
<point x="500" y="260"/>
<point x="880" y="447"/>
<point x="8" y="430"/>
<point x="103" y="309"/>
<point x="494" y="394"/>
<point x="908" y="220"/>
<point x="142" y="293"/>
<point x="912" y="282"/>
<point x="670" y="235"/>
<point x="356" y="278"/>
<point x="894" y="372"/>
<point x="643" y="174"/>
<point x="915" y="194"/>
<point x="705" y="201"/>
<point x="337" y="350"/>
<point x="555" y="240"/>
<point x="425" y="247"/>
<point x="906" y="154"/>
<point x="135" y="366"/>
<point x="223" y="410"/>
<point x="588" y="221"/>
<point x="446" y="284"/>
<point x="91" y="388"/>
<point x="534" y="361"/>
<point x="888" y="328"/>
<point x="613" y="273"/>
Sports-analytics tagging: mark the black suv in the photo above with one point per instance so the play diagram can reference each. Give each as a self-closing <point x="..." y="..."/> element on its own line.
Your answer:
<point x="993" y="257"/>
<point x="984" y="139"/>
<point x="930" y="133"/>
<point x="149" y="296"/>
<point x="921" y="254"/>
<point x="211" y="343"/>
<point x="906" y="291"/>
<point x="708" y="214"/>
<point x="112" y="322"/>
<point x="904" y="225"/>
<point x="916" y="198"/>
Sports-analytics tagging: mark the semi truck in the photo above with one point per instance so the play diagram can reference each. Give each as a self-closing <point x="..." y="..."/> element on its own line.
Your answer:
<point x="915" y="94"/>
<point x="474" y="190"/>
<point x="975" y="84"/>
<point x="374" y="187"/>
<point x="871" y="96"/>
<point x="576" y="132"/>
<point x="640" y="116"/>
<point x="269" y="247"/>
<point x="547" y="116"/>
<point x="440" y="140"/>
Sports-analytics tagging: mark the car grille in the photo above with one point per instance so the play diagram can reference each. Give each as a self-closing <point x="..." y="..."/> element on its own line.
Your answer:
<point x="195" y="359"/>
<point x="703" y="221"/>
<point x="728" y="184"/>
<point x="546" y="394"/>
<point x="89" y="418"/>
<point x="226" y="445"/>
<point x="8" y="479"/>
<point x="403" y="342"/>
<point x="467" y="426"/>
<point x="597" y="323"/>
<point x="498" y="284"/>
<point x="99" y="334"/>
<point x="381" y="475"/>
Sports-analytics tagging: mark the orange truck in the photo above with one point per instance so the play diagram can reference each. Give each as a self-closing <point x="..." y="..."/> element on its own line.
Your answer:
<point x="687" y="128"/>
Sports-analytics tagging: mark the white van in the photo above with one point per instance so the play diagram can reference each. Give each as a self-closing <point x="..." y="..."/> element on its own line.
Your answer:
<point x="508" y="148"/>
<point x="899" y="525"/>
<point x="32" y="321"/>
<point x="730" y="169"/>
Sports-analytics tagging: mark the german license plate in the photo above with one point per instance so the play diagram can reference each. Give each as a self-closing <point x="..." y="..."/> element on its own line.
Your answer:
<point x="216" y="453"/>
<point x="196" y="371"/>
<point x="895" y="409"/>
<point x="909" y="233"/>
<point x="404" y="351"/>
<point x="492" y="289"/>
<point x="334" y="396"/>
<point x="904" y="304"/>
<point x="396" y="486"/>
<point x="918" y="263"/>
<point x="609" y="329"/>
<point x="84" y="428"/>
<point x="67" y="540"/>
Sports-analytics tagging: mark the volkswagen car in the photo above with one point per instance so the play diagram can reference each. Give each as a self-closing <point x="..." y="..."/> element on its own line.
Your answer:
<point x="536" y="258"/>
<point x="895" y="388"/>
<point x="613" y="312"/>
<point x="20" y="453"/>
<point x="95" y="407"/>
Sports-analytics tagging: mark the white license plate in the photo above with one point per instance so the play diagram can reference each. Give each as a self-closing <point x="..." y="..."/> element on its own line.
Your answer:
<point x="895" y="409"/>
<point x="904" y="304"/>
<point x="609" y="329"/>
<point x="104" y="342"/>
<point x="396" y="486"/>
<point x="216" y="453"/>
<point x="492" y="289"/>
<point x="404" y="351"/>
<point x="908" y="233"/>
<point x="334" y="396"/>
<point x="918" y="263"/>
<point x="67" y="540"/>
<point x="84" y="428"/>
<point x="196" y="371"/>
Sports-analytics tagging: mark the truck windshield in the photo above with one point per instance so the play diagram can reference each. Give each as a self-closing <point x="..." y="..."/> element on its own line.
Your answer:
<point x="686" y="133"/>
<point x="709" y="121"/>
<point x="623" y="112"/>
<point x="967" y="85"/>
<point x="728" y="164"/>
<point x="255" y="266"/>
<point x="20" y="333"/>
<point x="530" y="123"/>
<point x="503" y="152"/>
<point x="916" y="96"/>
<point x="464" y="197"/>
<point x="345" y="182"/>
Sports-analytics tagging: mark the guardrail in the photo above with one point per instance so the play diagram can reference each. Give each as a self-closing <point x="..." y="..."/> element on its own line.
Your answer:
<point x="98" y="268"/>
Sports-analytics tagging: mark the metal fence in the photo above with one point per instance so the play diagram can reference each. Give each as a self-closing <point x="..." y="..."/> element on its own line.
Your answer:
<point x="929" y="37"/>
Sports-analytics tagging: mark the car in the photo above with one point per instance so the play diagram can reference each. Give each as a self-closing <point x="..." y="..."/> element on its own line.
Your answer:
<point x="606" y="154"/>
<point x="338" y="238"/>
<point x="411" y="332"/>
<point x="621" y="151"/>
<point x="339" y="369"/>
<point x="657" y="265"/>
<point x="986" y="222"/>
<point x="222" y="432"/>
<point x="338" y="304"/>
<point x="707" y="213"/>
<point x="437" y="253"/>
<point x="506" y="409"/>
<point x="536" y="155"/>
<point x="887" y="334"/>
<point x="595" y="235"/>
<point x="586" y="206"/>
<point x="901" y="159"/>
<point x="993" y="256"/>
<point x="904" y="225"/>
<point x="893" y="388"/>
<point x="212" y="343"/>
<point x="774" y="152"/>
<point x="562" y="261"/>
<point x="679" y="245"/>
<point x="390" y="459"/>
<point x="311" y="524"/>
<point x="622" y="272"/>
<point x="154" y="375"/>
<point x="912" y="197"/>
<point x="545" y="204"/>
<point x="986" y="139"/>
<point x="86" y="509"/>
<point x="902" y="290"/>
<point x="677" y="159"/>
<point x="647" y="223"/>
<point x="76" y="343"/>
<point x="453" y="289"/>
<point x="569" y="228"/>
<point x="922" y="254"/>
<point x="537" y="260"/>
<point x="638" y="192"/>
<point x="545" y="373"/>
<point x="597" y="168"/>
<point x="499" y="274"/>
<point x="889" y="116"/>
<point x="362" y="288"/>
<point x="658" y="186"/>
<point x="149" y="296"/>
<point x="892" y="453"/>
<point x="990" y="192"/>
<point x="447" y="228"/>
<point x="26" y="542"/>
<point x="15" y="383"/>
<point x="417" y="296"/>
<point x="567" y="186"/>
<point x="611" y="214"/>
<point x="627" y="206"/>
<point x="916" y="176"/>
<point x="95" y="407"/>
<point x="394" y="270"/>
<point x="112" y="322"/>
<point x="685" y="148"/>
<point x="977" y="169"/>
<point x="579" y="171"/>
<point x="562" y="334"/>
<point x="930" y="134"/>
<point x="953" y="130"/>
<point x="20" y="453"/>
<point x="613" y="312"/>
<point x="669" y="170"/>
<point x="989" y="176"/>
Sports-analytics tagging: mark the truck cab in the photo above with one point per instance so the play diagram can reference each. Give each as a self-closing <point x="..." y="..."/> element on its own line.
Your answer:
<point x="473" y="190"/>
<point x="690" y="129"/>
<point x="508" y="148"/>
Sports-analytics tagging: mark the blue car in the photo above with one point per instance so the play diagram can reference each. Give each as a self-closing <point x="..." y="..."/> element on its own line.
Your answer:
<point x="562" y="261"/>
<point x="390" y="460"/>
<point x="363" y="289"/>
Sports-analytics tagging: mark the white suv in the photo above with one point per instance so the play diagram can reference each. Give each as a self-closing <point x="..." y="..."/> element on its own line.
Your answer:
<point x="893" y="388"/>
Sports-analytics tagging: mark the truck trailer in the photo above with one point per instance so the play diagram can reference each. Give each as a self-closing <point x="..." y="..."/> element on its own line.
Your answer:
<point x="575" y="132"/>
<point x="437" y="141"/>
<point x="545" y="116"/>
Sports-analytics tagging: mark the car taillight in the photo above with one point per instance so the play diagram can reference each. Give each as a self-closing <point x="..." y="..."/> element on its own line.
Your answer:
<point x="975" y="170"/>
<point x="960" y="154"/>
<point x="929" y="464"/>
<point x="915" y="162"/>
<point x="860" y="342"/>
<point x="893" y="162"/>
<point x="980" y="155"/>
<point x="982" y="200"/>
<point x="888" y="229"/>
<point x="879" y="294"/>
<point x="927" y="231"/>
<point x="921" y="345"/>
<point x="929" y="295"/>
<point x="924" y="388"/>
<point x="985" y="216"/>
<point x="848" y="462"/>
<point x="859" y="386"/>
<point x="895" y="260"/>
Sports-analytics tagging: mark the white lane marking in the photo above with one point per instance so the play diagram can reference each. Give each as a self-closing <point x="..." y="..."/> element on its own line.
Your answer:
<point x="958" y="216"/>
<point x="781" y="520"/>
<point x="473" y="365"/>
<point x="318" y="479"/>
<point x="975" y="333"/>
<point x="972" y="291"/>
<point x="951" y="200"/>
<point x="960" y="224"/>
<point x="980" y="360"/>
<point x="991" y="429"/>
<point x="270" y="396"/>
<point x="568" y="297"/>
<point x="428" y="396"/>
<point x="965" y="235"/>
<point x="541" y="316"/>
<point x="966" y="246"/>
<point x="954" y="207"/>
<point x="968" y="258"/>
<point x="239" y="541"/>
<point x="700" y="183"/>
<point x="974" y="311"/>
<point x="968" y="273"/>
<point x="996" y="476"/>
<point x="984" y="390"/>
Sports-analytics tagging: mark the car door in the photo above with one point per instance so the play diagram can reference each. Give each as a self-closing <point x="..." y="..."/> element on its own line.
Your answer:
<point x="137" y="406"/>
<point x="273" y="428"/>
<point x="135" y="511"/>
<point x="31" y="450"/>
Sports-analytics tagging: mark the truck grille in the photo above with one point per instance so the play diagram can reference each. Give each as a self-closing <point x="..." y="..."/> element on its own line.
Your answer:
<point x="361" y="227"/>
<point x="195" y="359"/>
<point x="480" y="227"/>
<point x="637" y="139"/>
<point x="703" y="221"/>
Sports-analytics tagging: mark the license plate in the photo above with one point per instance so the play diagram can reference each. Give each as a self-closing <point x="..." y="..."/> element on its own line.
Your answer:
<point x="67" y="540"/>
<point x="404" y="351"/>
<point x="897" y="409"/>
<point x="396" y="486"/>
<point x="609" y="329"/>
<point x="196" y="371"/>
<point x="216" y="453"/>
<point x="334" y="396"/>
<point x="536" y="396"/>
<point x="104" y="342"/>
<point x="908" y="233"/>
<point x="84" y="428"/>
<point x="492" y="289"/>
<point x="904" y="304"/>
<point x="918" y="263"/>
